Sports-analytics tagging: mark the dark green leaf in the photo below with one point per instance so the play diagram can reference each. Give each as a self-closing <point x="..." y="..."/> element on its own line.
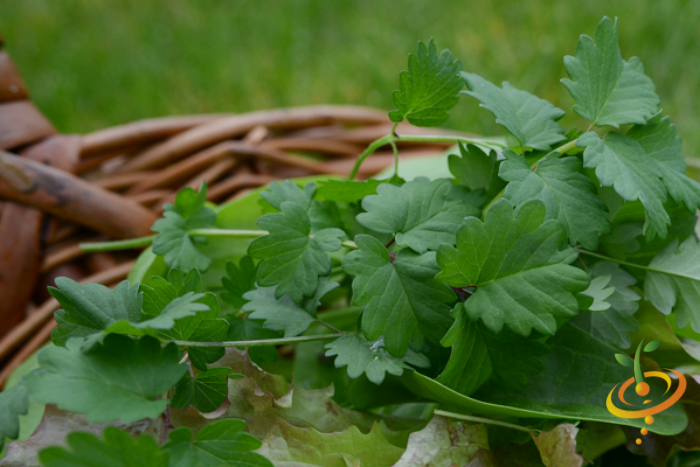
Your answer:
<point x="252" y="329"/>
<point x="370" y="357"/>
<point x="570" y="197"/>
<point x="608" y="90"/>
<point x="401" y="298"/>
<point x="118" y="449"/>
<point x="429" y="89"/>
<point x="189" y="212"/>
<point x="527" y="117"/>
<point x="475" y="169"/>
<point x="239" y="279"/>
<point x="13" y="403"/>
<point x="418" y="213"/>
<point x="520" y="267"/>
<point x="207" y="391"/>
<point x="121" y="379"/>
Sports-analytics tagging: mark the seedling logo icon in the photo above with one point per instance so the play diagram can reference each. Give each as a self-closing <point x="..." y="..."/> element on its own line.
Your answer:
<point x="641" y="387"/>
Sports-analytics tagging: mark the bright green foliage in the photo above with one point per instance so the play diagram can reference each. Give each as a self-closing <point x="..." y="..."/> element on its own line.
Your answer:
<point x="283" y="314"/>
<point x="608" y="91"/>
<point x="13" y="403"/>
<point x="621" y="162"/>
<point x="594" y="297"/>
<point x="429" y="89"/>
<point x="570" y="197"/>
<point x="219" y="444"/>
<point x="624" y="360"/>
<point x="289" y="191"/>
<point x="520" y="267"/>
<point x="418" y="213"/>
<point x="344" y="191"/>
<point x="673" y="284"/>
<point x="371" y="358"/>
<point x="479" y="354"/>
<point x="207" y="391"/>
<point x="527" y="117"/>
<point x="121" y="379"/>
<point x="400" y="297"/>
<point x="239" y="279"/>
<point x="92" y="311"/>
<point x="118" y="449"/>
<point x="189" y="212"/>
<point x="475" y="169"/>
<point x="290" y="258"/>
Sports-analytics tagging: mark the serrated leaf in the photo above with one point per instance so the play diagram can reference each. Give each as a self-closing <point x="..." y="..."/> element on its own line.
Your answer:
<point x="349" y="447"/>
<point x="594" y="297"/>
<point x="239" y="279"/>
<point x="401" y="297"/>
<point x="290" y="258"/>
<point x="345" y="191"/>
<point x="283" y="314"/>
<point x="117" y="449"/>
<point x="370" y="357"/>
<point x="92" y="311"/>
<point x="207" y="391"/>
<point x="429" y="88"/>
<point x="278" y="193"/>
<point x="519" y="266"/>
<point x="558" y="446"/>
<point x="621" y="162"/>
<point x="219" y="444"/>
<point x="444" y="442"/>
<point x="120" y="379"/>
<point x="608" y="90"/>
<point x="189" y="212"/>
<point x="624" y="360"/>
<point x="418" y="213"/>
<point x="673" y="282"/>
<point x="13" y="403"/>
<point x="659" y="139"/>
<point x="479" y="354"/>
<point x="474" y="169"/>
<point x="570" y="197"/>
<point x="527" y="117"/>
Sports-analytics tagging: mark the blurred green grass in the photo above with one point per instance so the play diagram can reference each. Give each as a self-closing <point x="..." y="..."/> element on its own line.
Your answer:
<point x="91" y="64"/>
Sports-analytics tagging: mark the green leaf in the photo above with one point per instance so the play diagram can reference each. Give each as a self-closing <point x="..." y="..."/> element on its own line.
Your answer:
<point x="651" y="346"/>
<point x="252" y="329"/>
<point x="418" y="213"/>
<point x="189" y="212"/>
<point x="660" y="141"/>
<point x="239" y="279"/>
<point x="207" y="391"/>
<point x="278" y="193"/>
<point x="13" y="403"/>
<point x="608" y="90"/>
<point x="370" y="357"/>
<point x="593" y="298"/>
<point x="121" y="379"/>
<point x="479" y="354"/>
<point x="92" y="311"/>
<point x="673" y="283"/>
<point x="118" y="449"/>
<point x="624" y="360"/>
<point x="570" y="197"/>
<point x="621" y="162"/>
<point x="519" y="266"/>
<point x="292" y="446"/>
<point x="401" y="297"/>
<point x="558" y="446"/>
<point x="290" y="258"/>
<point x="219" y="444"/>
<point x="283" y="314"/>
<point x="344" y="191"/>
<point x="475" y="169"/>
<point x="429" y="89"/>
<point x="527" y="117"/>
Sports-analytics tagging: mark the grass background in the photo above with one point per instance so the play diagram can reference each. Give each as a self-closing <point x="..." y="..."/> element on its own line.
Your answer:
<point x="90" y="64"/>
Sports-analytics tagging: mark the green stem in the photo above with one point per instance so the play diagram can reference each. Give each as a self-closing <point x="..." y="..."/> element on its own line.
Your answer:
<point x="632" y="265"/>
<point x="227" y="233"/>
<point x="118" y="245"/>
<point x="471" y="418"/>
<point x="262" y="342"/>
<point x="565" y="147"/>
<point x="638" y="374"/>
<point x="368" y="152"/>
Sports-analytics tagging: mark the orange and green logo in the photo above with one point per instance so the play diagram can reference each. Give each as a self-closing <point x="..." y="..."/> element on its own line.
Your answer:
<point x="641" y="388"/>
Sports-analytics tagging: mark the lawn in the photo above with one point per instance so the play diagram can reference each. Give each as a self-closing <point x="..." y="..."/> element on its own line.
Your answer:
<point x="92" y="64"/>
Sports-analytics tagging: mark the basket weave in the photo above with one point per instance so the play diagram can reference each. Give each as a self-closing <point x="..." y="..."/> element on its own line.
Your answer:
<point x="60" y="190"/>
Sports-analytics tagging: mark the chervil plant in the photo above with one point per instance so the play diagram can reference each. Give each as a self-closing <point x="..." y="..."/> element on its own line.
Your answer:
<point x="472" y="319"/>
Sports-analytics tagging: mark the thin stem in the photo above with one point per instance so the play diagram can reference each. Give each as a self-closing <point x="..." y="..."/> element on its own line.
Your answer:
<point x="167" y="425"/>
<point x="118" y="245"/>
<point x="262" y="342"/>
<point x="638" y="373"/>
<point x="227" y="233"/>
<point x="632" y="265"/>
<point x="368" y="152"/>
<point x="396" y="158"/>
<point x="565" y="147"/>
<point x="332" y="328"/>
<point x="471" y="418"/>
<point x="350" y="245"/>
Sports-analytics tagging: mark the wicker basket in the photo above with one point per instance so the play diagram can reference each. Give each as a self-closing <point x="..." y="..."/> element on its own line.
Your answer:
<point x="60" y="190"/>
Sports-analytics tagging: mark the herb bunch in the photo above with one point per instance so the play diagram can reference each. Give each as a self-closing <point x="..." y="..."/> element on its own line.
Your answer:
<point x="501" y="293"/>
